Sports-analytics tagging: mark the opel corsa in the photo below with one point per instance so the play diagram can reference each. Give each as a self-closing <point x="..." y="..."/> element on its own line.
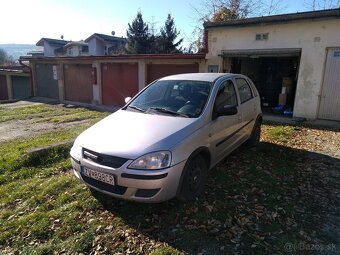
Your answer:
<point x="163" y="142"/>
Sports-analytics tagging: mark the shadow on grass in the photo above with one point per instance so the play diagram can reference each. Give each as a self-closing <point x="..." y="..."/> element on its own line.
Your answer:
<point x="256" y="201"/>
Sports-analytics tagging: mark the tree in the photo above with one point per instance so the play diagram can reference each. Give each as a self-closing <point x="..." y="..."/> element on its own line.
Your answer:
<point x="322" y="4"/>
<point x="223" y="10"/>
<point x="166" y="41"/>
<point x="4" y="59"/>
<point x="138" y="36"/>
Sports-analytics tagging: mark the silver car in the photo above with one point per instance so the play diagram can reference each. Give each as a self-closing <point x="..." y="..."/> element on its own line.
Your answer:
<point x="163" y="142"/>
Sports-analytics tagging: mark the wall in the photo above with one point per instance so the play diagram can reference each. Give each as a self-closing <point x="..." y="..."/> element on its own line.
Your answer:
<point x="96" y="47"/>
<point x="312" y="36"/>
<point x="48" y="50"/>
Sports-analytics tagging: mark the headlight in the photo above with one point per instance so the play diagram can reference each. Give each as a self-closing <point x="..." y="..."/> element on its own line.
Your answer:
<point x="152" y="161"/>
<point x="76" y="150"/>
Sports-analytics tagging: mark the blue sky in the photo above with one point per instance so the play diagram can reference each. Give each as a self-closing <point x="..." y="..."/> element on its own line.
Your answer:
<point x="26" y="21"/>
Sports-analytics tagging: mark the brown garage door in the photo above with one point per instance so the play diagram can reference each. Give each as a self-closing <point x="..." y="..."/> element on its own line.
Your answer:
<point x="158" y="71"/>
<point x="78" y="83"/>
<point x="119" y="80"/>
<point x="3" y="88"/>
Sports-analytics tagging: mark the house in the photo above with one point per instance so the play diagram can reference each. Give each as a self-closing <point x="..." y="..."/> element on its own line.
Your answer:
<point x="100" y="44"/>
<point x="74" y="49"/>
<point x="52" y="47"/>
<point x="294" y="59"/>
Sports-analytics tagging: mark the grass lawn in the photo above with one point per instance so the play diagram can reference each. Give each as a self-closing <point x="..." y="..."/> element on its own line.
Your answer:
<point x="256" y="201"/>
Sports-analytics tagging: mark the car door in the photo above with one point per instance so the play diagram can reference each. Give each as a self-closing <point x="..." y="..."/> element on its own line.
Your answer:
<point x="247" y="108"/>
<point x="224" y="129"/>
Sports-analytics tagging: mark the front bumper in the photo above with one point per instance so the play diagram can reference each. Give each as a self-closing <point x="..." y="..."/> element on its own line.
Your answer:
<point x="137" y="185"/>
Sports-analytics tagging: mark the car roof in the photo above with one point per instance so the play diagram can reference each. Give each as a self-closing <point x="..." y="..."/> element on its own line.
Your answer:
<point x="209" y="77"/>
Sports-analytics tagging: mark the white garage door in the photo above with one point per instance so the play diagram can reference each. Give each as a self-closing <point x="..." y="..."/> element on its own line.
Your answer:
<point x="329" y="102"/>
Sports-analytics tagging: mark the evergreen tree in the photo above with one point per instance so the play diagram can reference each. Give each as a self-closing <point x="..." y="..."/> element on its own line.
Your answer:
<point x="138" y="36"/>
<point x="166" y="40"/>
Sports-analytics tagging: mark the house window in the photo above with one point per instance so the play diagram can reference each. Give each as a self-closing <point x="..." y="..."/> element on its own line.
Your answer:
<point x="261" y="37"/>
<point x="69" y="51"/>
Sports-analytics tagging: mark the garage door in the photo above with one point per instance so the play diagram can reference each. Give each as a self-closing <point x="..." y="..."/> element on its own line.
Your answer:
<point x="119" y="80"/>
<point x="3" y="88"/>
<point x="78" y="83"/>
<point x="329" y="102"/>
<point x="21" y="87"/>
<point x="155" y="72"/>
<point x="46" y="85"/>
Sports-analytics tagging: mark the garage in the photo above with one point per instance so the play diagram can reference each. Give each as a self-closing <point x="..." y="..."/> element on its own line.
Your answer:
<point x="3" y="88"/>
<point x="119" y="80"/>
<point x="78" y="83"/>
<point x="274" y="73"/>
<point x="156" y="71"/>
<point x="47" y="86"/>
<point x="329" y="101"/>
<point x="21" y="87"/>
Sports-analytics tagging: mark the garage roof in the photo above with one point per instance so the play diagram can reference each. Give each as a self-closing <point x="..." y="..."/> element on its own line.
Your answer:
<point x="332" y="13"/>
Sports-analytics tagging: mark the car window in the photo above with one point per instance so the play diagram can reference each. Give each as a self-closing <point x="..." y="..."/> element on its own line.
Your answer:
<point x="226" y="95"/>
<point x="173" y="97"/>
<point x="244" y="90"/>
<point x="251" y="83"/>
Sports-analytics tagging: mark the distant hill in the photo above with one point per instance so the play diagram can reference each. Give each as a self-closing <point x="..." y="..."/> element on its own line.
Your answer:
<point x="17" y="50"/>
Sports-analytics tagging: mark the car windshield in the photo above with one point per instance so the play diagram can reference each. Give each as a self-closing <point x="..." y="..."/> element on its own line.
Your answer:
<point x="173" y="97"/>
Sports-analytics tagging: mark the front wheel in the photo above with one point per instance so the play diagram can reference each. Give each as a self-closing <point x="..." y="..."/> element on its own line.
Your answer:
<point x="194" y="178"/>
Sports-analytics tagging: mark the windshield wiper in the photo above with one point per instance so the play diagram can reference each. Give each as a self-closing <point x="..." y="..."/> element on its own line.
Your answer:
<point x="163" y="110"/>
<point x="136" y="108"/>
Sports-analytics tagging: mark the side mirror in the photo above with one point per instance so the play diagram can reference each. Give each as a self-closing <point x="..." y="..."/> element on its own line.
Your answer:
<point x="127" y="99"/>
<point x="226" y="110"/>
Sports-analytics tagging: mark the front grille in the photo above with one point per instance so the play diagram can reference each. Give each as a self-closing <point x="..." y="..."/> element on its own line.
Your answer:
<point x="116" y="189"/>
<point x="102" y="159"/>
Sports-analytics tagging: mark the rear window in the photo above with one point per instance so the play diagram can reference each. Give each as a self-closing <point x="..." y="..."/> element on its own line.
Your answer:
<point x="244" y="90"/>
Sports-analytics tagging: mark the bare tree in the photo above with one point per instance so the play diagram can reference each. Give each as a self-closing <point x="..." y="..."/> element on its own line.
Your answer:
<point x="321" y="4"/>
<point x="223" y="10"/>
<point x="4" y="58"/>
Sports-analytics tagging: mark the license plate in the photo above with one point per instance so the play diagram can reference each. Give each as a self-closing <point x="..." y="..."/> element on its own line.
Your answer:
<point x="99" y="176"/>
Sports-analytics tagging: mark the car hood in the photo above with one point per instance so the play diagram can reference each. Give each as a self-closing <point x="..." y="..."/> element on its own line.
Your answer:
<point x="130" y="134"/>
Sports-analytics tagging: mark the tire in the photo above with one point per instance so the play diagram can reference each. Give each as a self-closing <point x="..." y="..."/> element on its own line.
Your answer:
<point x="254" y="139"/>
<point x="194" y="178"/>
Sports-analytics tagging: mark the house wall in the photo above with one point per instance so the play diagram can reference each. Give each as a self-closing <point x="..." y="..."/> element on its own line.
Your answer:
<point x="311" y="36"/>
<point x="48" y="50"/>
<point x="96" y="47"/>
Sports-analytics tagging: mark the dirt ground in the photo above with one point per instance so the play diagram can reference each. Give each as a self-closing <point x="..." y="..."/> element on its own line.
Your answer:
<point x="14" y="129"/>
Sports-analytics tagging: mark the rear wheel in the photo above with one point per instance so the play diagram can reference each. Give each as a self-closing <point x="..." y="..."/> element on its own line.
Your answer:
<point x="194" y="178"/>
<point x="254" y="139"/>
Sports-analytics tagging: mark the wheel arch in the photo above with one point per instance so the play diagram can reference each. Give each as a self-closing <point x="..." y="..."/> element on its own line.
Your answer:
<point x="204" y="151"/>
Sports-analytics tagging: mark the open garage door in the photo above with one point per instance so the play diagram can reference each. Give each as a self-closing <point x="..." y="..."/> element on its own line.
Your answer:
<point x="270" y="70"/>
<point x="119" y="80"/>
<point x="156" y="71"/>
<point x="329" y="101"/>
